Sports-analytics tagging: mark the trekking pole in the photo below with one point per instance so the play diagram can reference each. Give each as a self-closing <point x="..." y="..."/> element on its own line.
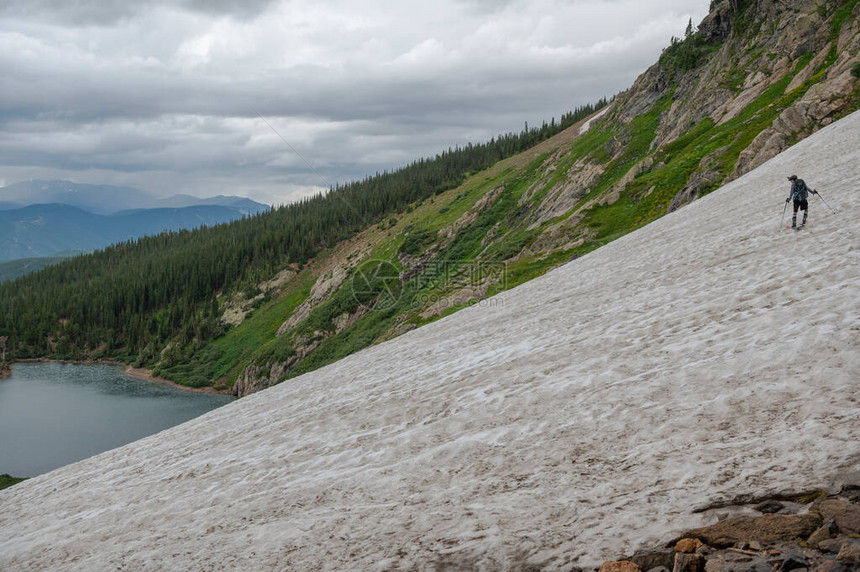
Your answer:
<point x="782" y="220"/>
<point x="825" y="202"/>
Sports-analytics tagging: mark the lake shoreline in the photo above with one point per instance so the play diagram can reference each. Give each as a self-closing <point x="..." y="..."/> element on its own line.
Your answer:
<point x="136" y="372"/>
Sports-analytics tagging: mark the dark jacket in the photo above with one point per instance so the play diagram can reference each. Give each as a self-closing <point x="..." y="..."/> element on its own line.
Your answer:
<point x="799" y="190"/>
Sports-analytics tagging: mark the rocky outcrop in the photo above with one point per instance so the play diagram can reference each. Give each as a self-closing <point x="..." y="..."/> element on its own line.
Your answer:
<point x="717" y="25"/>
<point x="819" y="107"/>
<point x="257" y="377"/>
<point x="794" y="535"/>
<point x="693" y="190"/>
<point x="324" y="287"/>
<point x="237" y="307"/>
<point x="448" y="233"/>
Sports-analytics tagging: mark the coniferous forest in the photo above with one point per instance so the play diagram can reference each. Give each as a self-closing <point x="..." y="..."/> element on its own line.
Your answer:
<point x="129" y="301"/>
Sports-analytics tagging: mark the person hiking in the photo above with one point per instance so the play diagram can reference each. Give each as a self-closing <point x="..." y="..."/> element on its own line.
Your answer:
<point x="799" y="193"/>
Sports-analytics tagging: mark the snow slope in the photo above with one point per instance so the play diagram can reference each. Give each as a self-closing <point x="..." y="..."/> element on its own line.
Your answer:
<point x="569" y="420"/>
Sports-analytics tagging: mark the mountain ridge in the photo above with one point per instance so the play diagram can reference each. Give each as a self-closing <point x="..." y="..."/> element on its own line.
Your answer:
<point x="109" y="199"/>
<point x="43" y="230"/>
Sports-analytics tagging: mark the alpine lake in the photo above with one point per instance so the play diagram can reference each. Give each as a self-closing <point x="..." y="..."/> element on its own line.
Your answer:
<point x="54" y="414"/>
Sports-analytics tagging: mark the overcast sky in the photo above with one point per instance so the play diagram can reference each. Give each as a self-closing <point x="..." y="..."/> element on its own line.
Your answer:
<point x="170" y="97"/>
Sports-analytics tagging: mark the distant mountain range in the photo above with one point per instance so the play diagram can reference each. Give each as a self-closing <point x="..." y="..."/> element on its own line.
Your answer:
<point x="47" y="218"/>
<point x="109" y="199"/>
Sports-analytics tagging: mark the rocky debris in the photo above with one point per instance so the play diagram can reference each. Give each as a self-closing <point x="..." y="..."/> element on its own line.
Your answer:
<point x="823" y="534"/>
<point x="792" y="533"/>
<point x="769" y="507"/>
<point x="619" y="566"/>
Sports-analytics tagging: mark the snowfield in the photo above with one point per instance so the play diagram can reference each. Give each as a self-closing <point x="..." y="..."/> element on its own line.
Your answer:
<point x="573" y="419"/>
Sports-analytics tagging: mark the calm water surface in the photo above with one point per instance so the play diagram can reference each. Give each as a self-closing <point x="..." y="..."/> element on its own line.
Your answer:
<point x="53" y="414"/>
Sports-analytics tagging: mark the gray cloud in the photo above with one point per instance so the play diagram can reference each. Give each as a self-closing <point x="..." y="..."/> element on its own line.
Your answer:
<point x="108" y="12"/>
<point x="166" y="97"/>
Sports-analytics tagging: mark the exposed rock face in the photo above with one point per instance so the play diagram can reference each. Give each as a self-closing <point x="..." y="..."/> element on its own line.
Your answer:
<point x="641" y="167"/>
<point x="255" y="378"/>
<point x="324" y="287"/>
<point x="692" y="191"/>
<point x="717" y="25"/>
<point x="237" y="308"/>
<point x="721" y="90"/>
<point x="817" y="108"/>
<point x="563" y="196"/>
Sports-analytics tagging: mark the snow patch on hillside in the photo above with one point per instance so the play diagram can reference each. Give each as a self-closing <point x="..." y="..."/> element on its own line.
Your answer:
<point x="580" y="416"/>
<point x="587" y="125"/>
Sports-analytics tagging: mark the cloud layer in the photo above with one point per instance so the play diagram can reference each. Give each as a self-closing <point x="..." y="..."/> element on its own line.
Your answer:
<point x="171" y="96"/>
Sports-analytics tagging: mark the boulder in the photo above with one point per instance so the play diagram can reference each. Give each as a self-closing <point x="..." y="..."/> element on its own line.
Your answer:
<point x="845" y="514"/>
<point x="649" y="560"/>
<point x="764" y="529"/>
<point x="692" y="190"/>
<point x="688" y="545"/>
<point x="685" y="562"/>
<point x="619" y="566"/>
